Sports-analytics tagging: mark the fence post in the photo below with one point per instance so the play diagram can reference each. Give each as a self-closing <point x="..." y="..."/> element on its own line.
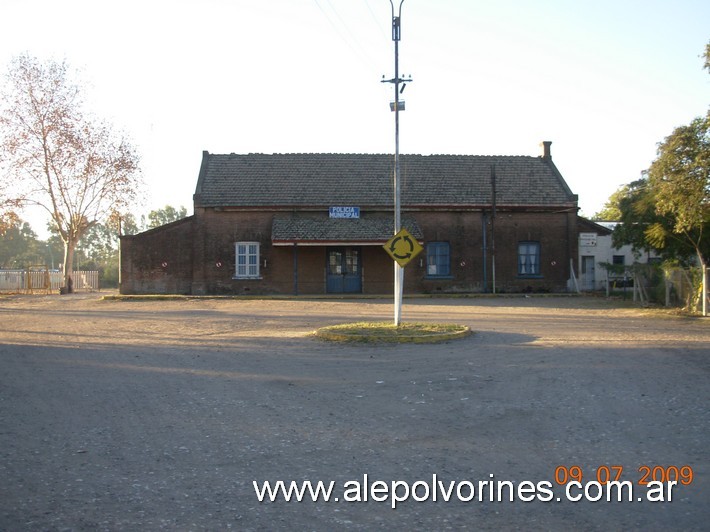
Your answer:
<point x="574" y="277"/>
<point x="705" y="290"/>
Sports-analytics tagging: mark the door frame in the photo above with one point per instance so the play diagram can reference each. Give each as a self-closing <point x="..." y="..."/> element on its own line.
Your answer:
<point x="343" y="281"/>
<point x="588" y="275"/>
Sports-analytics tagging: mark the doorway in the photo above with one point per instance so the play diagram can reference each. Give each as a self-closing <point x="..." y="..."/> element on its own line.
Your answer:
<point x="343" y="270"/>
<point x="588" y="273"/>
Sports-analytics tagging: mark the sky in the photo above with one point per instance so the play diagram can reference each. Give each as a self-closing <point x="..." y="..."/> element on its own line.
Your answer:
<point x="605" y="81"/>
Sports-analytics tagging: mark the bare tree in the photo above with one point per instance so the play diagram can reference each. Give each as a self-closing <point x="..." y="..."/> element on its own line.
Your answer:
<point x="56" y="156"/>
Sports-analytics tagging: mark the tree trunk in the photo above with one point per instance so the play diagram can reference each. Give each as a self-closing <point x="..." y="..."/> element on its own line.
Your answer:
<point x="69" y="246"/>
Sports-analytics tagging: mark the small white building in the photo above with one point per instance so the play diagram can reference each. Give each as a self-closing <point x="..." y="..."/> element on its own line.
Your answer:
<point x="596" y="249"/>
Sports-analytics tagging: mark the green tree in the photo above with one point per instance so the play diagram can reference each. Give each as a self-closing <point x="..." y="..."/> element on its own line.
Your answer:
<point x="165" y="215"/>
<point x="669" y="209"/>
<point x="54" y="250"/>
<point x="98" y="248"/>
<point x="18" y="246"/>
<point x="637" y="210"/>
<point x="610" y="211"/>
<point x="99" y="243"/>
<point x="679" y="179"/>
<point x="58" y="157"/>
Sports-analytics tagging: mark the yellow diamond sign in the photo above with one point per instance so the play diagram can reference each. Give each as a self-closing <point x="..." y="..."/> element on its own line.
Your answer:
<point x="403" y="247"/>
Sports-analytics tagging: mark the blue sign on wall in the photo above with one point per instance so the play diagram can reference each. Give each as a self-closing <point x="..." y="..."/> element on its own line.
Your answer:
<point x="345" y="212"/>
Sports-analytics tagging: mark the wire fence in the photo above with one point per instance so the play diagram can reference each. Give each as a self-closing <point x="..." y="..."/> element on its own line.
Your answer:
<point x="687" y="287"/>
<point x="673" y="287"/>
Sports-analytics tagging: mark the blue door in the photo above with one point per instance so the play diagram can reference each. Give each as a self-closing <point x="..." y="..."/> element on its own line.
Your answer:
<point x="343" y="271"/>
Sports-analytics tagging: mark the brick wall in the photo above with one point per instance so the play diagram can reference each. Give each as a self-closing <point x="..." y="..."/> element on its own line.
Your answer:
<point x="158" y="261"/>
<point x="472" y="260"/>
<point x="219" y="231"/>
<point x="197" y="255"/>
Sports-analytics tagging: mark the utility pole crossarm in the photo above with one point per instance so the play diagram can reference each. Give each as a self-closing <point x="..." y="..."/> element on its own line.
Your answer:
<point x="398" y="80"/>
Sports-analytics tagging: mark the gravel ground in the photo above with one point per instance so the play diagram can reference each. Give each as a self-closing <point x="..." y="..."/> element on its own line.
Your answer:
<point x="160" y="415"/>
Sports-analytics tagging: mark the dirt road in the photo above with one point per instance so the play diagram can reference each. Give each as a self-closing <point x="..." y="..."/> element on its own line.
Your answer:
<point x="160" y="415"/>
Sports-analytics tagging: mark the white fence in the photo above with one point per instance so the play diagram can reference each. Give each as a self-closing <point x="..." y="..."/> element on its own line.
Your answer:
<point x="38" y="281"/>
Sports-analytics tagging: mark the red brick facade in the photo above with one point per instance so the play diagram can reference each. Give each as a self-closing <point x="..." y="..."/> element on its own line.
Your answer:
<point x="197" y="256"/>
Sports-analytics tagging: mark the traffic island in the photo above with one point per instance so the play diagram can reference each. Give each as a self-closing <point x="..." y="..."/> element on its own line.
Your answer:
<point x="386" y="332"/>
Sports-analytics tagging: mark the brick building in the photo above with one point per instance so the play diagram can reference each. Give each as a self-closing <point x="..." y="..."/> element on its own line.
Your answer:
<point x="316" y="224"/>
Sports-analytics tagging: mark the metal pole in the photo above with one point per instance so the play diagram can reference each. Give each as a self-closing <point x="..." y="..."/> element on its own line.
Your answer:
<point x="493" y="226"/>
<point x="120" y="257"/>
<point x="398" y="270"/>
<point x="484" y="227"/>
<point x="704" y="269"/>
<point x="295" y="268"/>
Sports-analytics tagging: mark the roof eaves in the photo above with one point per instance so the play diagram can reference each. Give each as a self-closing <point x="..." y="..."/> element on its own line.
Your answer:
<point x="197" y="196"/>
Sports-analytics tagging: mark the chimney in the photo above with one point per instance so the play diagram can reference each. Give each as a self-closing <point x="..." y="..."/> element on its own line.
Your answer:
<point x="546" y="149"/>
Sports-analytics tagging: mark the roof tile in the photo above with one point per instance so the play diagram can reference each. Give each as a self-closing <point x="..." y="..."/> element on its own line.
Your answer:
<point x="297" y="180"/>
<point x="298" y="228"/>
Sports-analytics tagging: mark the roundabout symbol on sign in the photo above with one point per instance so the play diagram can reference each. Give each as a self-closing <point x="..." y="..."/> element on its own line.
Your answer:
<point x="403" y="247"/>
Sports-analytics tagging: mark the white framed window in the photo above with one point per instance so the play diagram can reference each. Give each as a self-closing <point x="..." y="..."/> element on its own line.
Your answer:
<point x="247" y="260"/>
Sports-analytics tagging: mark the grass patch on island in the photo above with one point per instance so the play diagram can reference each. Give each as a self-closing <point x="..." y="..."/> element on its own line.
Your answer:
<point x="376" y="332"/>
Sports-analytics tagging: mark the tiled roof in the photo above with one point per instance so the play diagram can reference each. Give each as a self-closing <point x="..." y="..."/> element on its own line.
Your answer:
<point x="299" y="180"/>
<point x="297" y="228"/>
